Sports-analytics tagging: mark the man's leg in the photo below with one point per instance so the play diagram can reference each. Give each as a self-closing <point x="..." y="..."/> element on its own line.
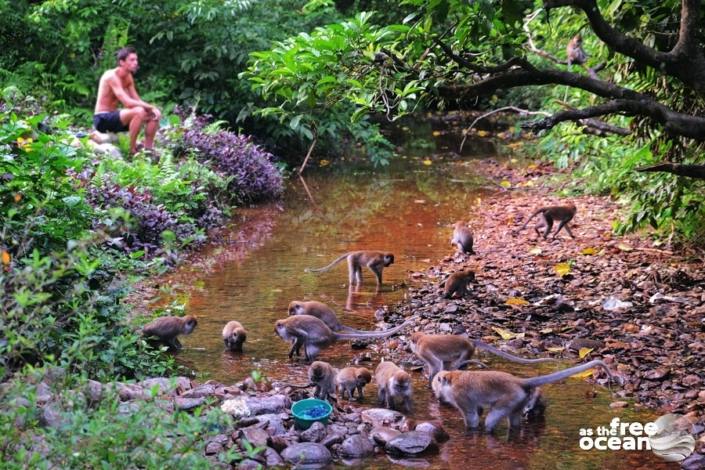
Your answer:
<point x="133" y="118"/>
<point x="150" y="130"/>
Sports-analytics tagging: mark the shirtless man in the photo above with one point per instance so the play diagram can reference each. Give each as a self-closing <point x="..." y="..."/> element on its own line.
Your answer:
<point x="117" y="85"/>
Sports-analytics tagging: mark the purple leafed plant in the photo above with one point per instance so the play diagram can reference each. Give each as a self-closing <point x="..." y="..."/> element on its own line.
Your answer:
<point x="254" y="175"/>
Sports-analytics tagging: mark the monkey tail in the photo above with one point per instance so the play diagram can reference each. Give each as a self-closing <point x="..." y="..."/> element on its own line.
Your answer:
<point x="510" y="357"/>
<point x="327" y="268"/>
<point x="537" y="212"/>
<point x="371" y="334"/>
<point x="347" y="329"/>
<point x="564" y="374"/>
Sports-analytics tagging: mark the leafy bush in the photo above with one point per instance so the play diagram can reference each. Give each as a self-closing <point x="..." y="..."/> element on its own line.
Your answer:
<point x="250" y="170"/>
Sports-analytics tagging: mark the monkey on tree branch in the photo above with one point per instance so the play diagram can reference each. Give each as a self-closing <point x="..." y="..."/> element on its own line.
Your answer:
<point x="685" y="62"/>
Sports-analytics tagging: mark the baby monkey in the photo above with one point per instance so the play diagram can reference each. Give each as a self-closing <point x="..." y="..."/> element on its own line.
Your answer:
<point x="563" y="214"/>
<point x="503" y="394"/>
<point x="352" y="378"/>
<point x="234" y="335"/>
<point x="376" y="261"/>
<point x="322" y="375"/>
<point x="462" y="237"/>
<point x="166" y="329"/>
<point x="393" y="386"/>
<point x="457" y="283"/>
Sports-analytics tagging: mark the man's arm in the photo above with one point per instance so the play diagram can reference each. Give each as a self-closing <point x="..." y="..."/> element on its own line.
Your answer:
<point x="132" y="92"/>
<point x="124" y="97"/>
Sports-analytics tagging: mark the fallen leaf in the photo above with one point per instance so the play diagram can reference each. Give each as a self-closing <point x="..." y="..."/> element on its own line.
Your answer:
<point x="324" y="163"/>
<point x="516" y="301"/>
<point x="436" y="133"/>
<point x="18" y="197"/>
<point x="514" y="160"/>
<point x="625" y="247"/>
<point x="505" y="184"/>
<point x="535" y="251"/>
<point x="617" y="404"/>
<point x="546" y="331"/>
<point x="562" y="269"/>
<point x="483" y="133"/>
<point x="427" y="162"/>
<point x="505" y="334"/>
<point x="419" y="201"/>
<point x="588" y="251"/>
<point x="583" y="374"/>
<point x="584" y="352"/>
<point x="555" y="349"/>
<point x="5" y="257"/>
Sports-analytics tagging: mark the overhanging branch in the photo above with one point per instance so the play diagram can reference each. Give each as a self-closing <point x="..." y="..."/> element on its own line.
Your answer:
<point x="691" y="171"/>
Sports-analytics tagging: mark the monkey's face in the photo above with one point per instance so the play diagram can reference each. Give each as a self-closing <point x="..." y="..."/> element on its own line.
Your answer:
<point x="439" y="384"/>
<point x="415" y="337"/>
<point x="402" y="381"/>
<point x="388" y="259"/>
<point x="295" y="308"/>
<point x="364" y="377"/>
<point x="189" y="324"/>
<point x="280" y="329"/>
<point x="317" y="373"/>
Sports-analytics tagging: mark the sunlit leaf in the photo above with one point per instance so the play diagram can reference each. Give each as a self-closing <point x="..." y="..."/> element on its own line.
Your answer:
<point x="516" y="301"/>
<point x="588" y="251"/>
<point x="5" y="257"/>
<point x="535" y="251"/>
<point x="17" y="197"/>
<point x="555" y="349"/>
<point x="562" y="269"/>
<point x="324" y="163"/>
<point x="483" y="133"/>
<point x="436" y="133"/>
<point x="505" y="184"/>
<point x="583" y="374"/>
<point x="505" y="334"/>
<point x="427" y="162"/>
<point x="584" y="352"/>
<point x="625" y="247"/>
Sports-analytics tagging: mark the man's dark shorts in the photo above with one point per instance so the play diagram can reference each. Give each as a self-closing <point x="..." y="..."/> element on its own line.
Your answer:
<point x="109" y="122"/>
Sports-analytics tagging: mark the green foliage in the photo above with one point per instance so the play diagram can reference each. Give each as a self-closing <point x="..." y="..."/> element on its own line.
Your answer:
<point x="109" y="434"/>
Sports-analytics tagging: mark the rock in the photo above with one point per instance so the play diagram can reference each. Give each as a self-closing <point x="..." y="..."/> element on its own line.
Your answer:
<point x="382" y="435"/>
<point x="51" y="416"/>
<point x="379" y="417"/>
<point x="204" y="390"/>
<point x="255" y="435"/>
<point x="249" y="464"/>
<point x="105" y="149"/>
<point x="411" y="444"/>
<point x="580" y="343"/>
<point x="272" y="457"/>
<point x="165" y="384"/>
<point x="434" y="429"/>
<point x="274" y="423"/>
<point x="186" y="404"/>
<point x="619" y="404"/>
<point x="332" y="439"/>
<point x="315" y="433"/>
<point x="43" y="393"/>
<point x="128" y="408"/>
<point x="94" y="391"/>
<point x="694" y="462"/>
<point x="411" y="463"/>
<point x="357" y="447"/>
<point x="213" y="448"/>
<point x="278" y="443"/>
<point x="307" y="454"/>
<point x="268" y="404"/>
<point x="236" y="407"/>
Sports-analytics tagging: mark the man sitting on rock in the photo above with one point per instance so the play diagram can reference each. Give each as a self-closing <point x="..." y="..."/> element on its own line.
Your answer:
<point x="117" y="85"/>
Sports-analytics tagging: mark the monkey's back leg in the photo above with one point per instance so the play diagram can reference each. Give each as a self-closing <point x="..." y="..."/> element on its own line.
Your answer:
<point x="549" y="224"/>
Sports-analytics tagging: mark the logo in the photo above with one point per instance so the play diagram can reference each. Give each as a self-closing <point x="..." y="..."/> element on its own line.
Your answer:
<point x="667" y="437"/>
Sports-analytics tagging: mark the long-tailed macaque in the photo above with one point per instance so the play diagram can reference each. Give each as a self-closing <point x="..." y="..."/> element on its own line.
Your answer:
<point x="352" y="378"/>
<point x="321" y="311"/>
<point x="457" y="283"/>
<point x="376" y="261"/>
<point x="574" y="51"/>
<point x="563" y="214"/>
<point x="234" y="335"/>
<point x="322" y="375"/>
<point x="166" y="329"/>
<point x="462" y="237"/>
<point x="503" y="394"/>
<point x="313" y="334"/>
<point x="449" y="352"/>
<point x="393" y="386"/>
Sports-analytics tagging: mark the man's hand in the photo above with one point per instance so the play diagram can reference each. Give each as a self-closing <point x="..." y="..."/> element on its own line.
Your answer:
<point x="154" y="114"/>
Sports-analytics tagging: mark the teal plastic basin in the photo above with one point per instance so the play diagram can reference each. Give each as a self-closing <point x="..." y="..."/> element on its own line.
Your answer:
<point x="305" y="414"/>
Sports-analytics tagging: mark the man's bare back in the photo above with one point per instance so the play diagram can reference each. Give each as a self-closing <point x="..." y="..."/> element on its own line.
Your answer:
<point x="117" y="86"/>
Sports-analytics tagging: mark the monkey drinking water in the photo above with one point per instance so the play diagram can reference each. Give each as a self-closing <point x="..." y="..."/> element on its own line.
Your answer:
<point x="393" y="386"/>
<point x="313" y="334"/>
<point x="234" y="335"/>
<point x="550" y="214"/>
<point x="375" y="261"/>
<point x="503" y="394"/>
<point x="350" y="379"/>
<point x="321" y="311"/>
<point x="166" y="329"/>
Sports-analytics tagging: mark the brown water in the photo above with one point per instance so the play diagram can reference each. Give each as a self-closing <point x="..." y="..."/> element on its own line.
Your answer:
<point x="407" y="209"/>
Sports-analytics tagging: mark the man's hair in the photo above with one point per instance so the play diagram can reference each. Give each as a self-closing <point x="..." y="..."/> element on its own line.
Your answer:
<point x="124" y="52"/>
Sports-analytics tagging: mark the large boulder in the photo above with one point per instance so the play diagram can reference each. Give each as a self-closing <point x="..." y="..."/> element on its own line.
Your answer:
<point x="307" y="455"/>
<point x="411" y="444"/>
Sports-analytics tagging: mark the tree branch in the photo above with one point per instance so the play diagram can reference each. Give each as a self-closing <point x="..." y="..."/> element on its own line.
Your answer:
<point x="691" y="171"/>
<point x="514" y="61"/>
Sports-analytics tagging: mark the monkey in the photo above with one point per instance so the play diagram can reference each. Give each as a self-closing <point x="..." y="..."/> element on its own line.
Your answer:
<point x="393" y="386"/>
<point x="313" y="334"/>
<point x="321" y="311"/>
<point x="504" y="395"/>
<point x="168" y="328"/>
<point x="535" y="407"/>
<point x="574" y="51"/>
<point x="353" y="378"/>
<point x="234" y="335"/>
<point x="549" y="214"/>
<point x="323" y="376"/>
<point x="457" y="283"/>
<point x="462" y="236"/>
<point x="376" y="261"/>
<point x="449" y="352"/>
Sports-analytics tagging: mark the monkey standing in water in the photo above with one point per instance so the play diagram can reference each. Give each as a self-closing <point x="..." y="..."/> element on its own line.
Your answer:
<point x="352" y="378"/>
<point x="234" y="335"/>
<point x="166" y="329"/>
<point x="322" y="375"/>
<point x="563" y="214"/>
<point x="503" y="394"/>
<point x="463" y="238"/>
<point x="376" y="261"/>
<point x="393" y="386"/>
<point x="321" y="311"/>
